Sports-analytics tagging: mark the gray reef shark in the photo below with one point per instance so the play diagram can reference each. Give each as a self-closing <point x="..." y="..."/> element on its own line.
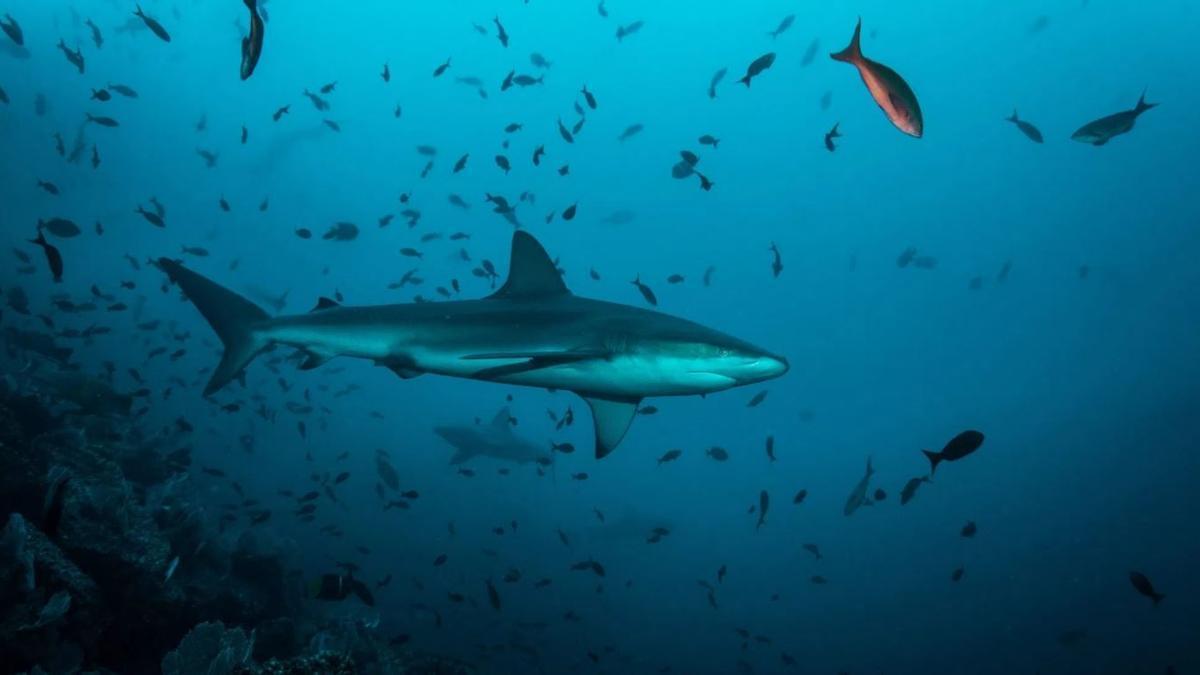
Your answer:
<point x="532" y="332"/>
<point x="496" y="440"/>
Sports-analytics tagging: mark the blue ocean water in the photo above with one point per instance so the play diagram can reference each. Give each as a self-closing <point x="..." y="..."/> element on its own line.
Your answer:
<point x="1078" y="362"/>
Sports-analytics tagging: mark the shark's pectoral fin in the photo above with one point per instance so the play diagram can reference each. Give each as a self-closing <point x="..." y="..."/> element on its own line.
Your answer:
<point x="611" y="418"/>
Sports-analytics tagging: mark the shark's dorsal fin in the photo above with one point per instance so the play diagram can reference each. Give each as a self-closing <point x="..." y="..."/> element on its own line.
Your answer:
<point x="324" y="303"/>
<point x="612" y="418"/>
<point x="531" y="273"/>
<point x="500" y="421"/>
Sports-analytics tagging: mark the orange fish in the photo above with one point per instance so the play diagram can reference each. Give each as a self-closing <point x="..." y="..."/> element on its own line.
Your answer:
<point x="888" y="89"/>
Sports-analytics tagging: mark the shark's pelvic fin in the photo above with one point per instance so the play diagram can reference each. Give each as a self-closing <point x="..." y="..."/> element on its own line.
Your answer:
<point x="315" y="359"/>
<point x="612" y="418"/>
<point x="531" y="273"/>
<point x="231" y="316"/>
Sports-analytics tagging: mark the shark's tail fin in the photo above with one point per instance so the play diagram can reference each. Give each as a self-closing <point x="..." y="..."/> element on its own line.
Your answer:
<point x="231" y="316"/>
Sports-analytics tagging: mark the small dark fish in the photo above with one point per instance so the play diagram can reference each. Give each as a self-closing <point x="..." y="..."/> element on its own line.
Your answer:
<point x="758" y="398"/>
<point x="1101" y="131"/>
<point x="776" y="262"/>
<point x="60" y="227"/>
<point x="461" y="163"/>
<point x="879" y="496"/>
<point x="502" y="162"/>
<point x="810" y="53"/>
<point x="587" y="96"/>
<point x="830" y="135"/>
<point x="910" y="489"/>
<point x="1141" y="583"/>
<point x="252" y="44"/>
<point x="708" y="139"/>
<point x="53" y="256"/>
<point x="785" y="24"/>
<point x="493" y="596"/>
<point x="645" y="290"/>
<point x="500" y="32"/>
<point x="969" y="529"/>
<point x="440" y="70"/>
<point x="628" y="29"/>
<point x="771" y="448"/>
<point x="957" y="574"/>
<point x="103" y="121"/>
<point x="386" y="74"/>
<point x="757" y="66"/>
<point x="281" y="112"/>
<point x="958" y="447"/>
<point x="669" y="456"/>
<point x="813" y="549"/>
<point x="538" y="153"/>
<point x="123" y="90"/>
<point x="569" y="212"/>
<point x="52" y="505"/>
<point x="1031" y="132"/>
<point x="630" y="131"/>
<point x="101" y="95"/>
<point x="646" y="410"/>
<point x="75" y="57"/>
<point x="13" y="30"/>
<point x="764" y="501"/>
<point x="714" y="81"/>
<point x="717" y="453"/>
<point x="154" y="26"/>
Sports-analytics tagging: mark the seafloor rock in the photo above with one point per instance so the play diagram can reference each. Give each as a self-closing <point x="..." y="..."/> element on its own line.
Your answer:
<point x="210" y="649"/>
<point x="114" y="543"/>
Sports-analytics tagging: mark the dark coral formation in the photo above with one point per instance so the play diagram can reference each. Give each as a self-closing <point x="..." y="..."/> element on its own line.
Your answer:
<point x="109" y="561"/>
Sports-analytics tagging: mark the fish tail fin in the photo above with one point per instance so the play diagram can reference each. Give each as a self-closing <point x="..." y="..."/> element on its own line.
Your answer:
<point x="746" y="81"/>
<point x="1157" y="598"/>
<point x="232" y="317"/>
<point x="1013" y="117"/>
<point x="934" y="459"/>
<point x="139" y="12"/>
<point x="853" y="52"/>
<point x="1142" y="106"/>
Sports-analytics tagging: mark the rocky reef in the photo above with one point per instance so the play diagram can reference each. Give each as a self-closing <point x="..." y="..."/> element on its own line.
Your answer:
<point x="111" y="562"/>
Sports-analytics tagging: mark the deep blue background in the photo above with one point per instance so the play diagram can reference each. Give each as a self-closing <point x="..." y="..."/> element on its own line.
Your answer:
<point x="1086" y="388"/>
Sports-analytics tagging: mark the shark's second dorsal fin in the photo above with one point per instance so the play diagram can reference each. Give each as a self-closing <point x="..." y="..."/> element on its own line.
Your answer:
<point x="501" y="420"/>
<point x="531" y="273"/>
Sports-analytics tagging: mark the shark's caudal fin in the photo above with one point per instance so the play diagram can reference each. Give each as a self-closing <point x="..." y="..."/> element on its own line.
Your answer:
<point x="231" y="316"/>
<point x="612" y="418"/>
<point x="531" y="273"/>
